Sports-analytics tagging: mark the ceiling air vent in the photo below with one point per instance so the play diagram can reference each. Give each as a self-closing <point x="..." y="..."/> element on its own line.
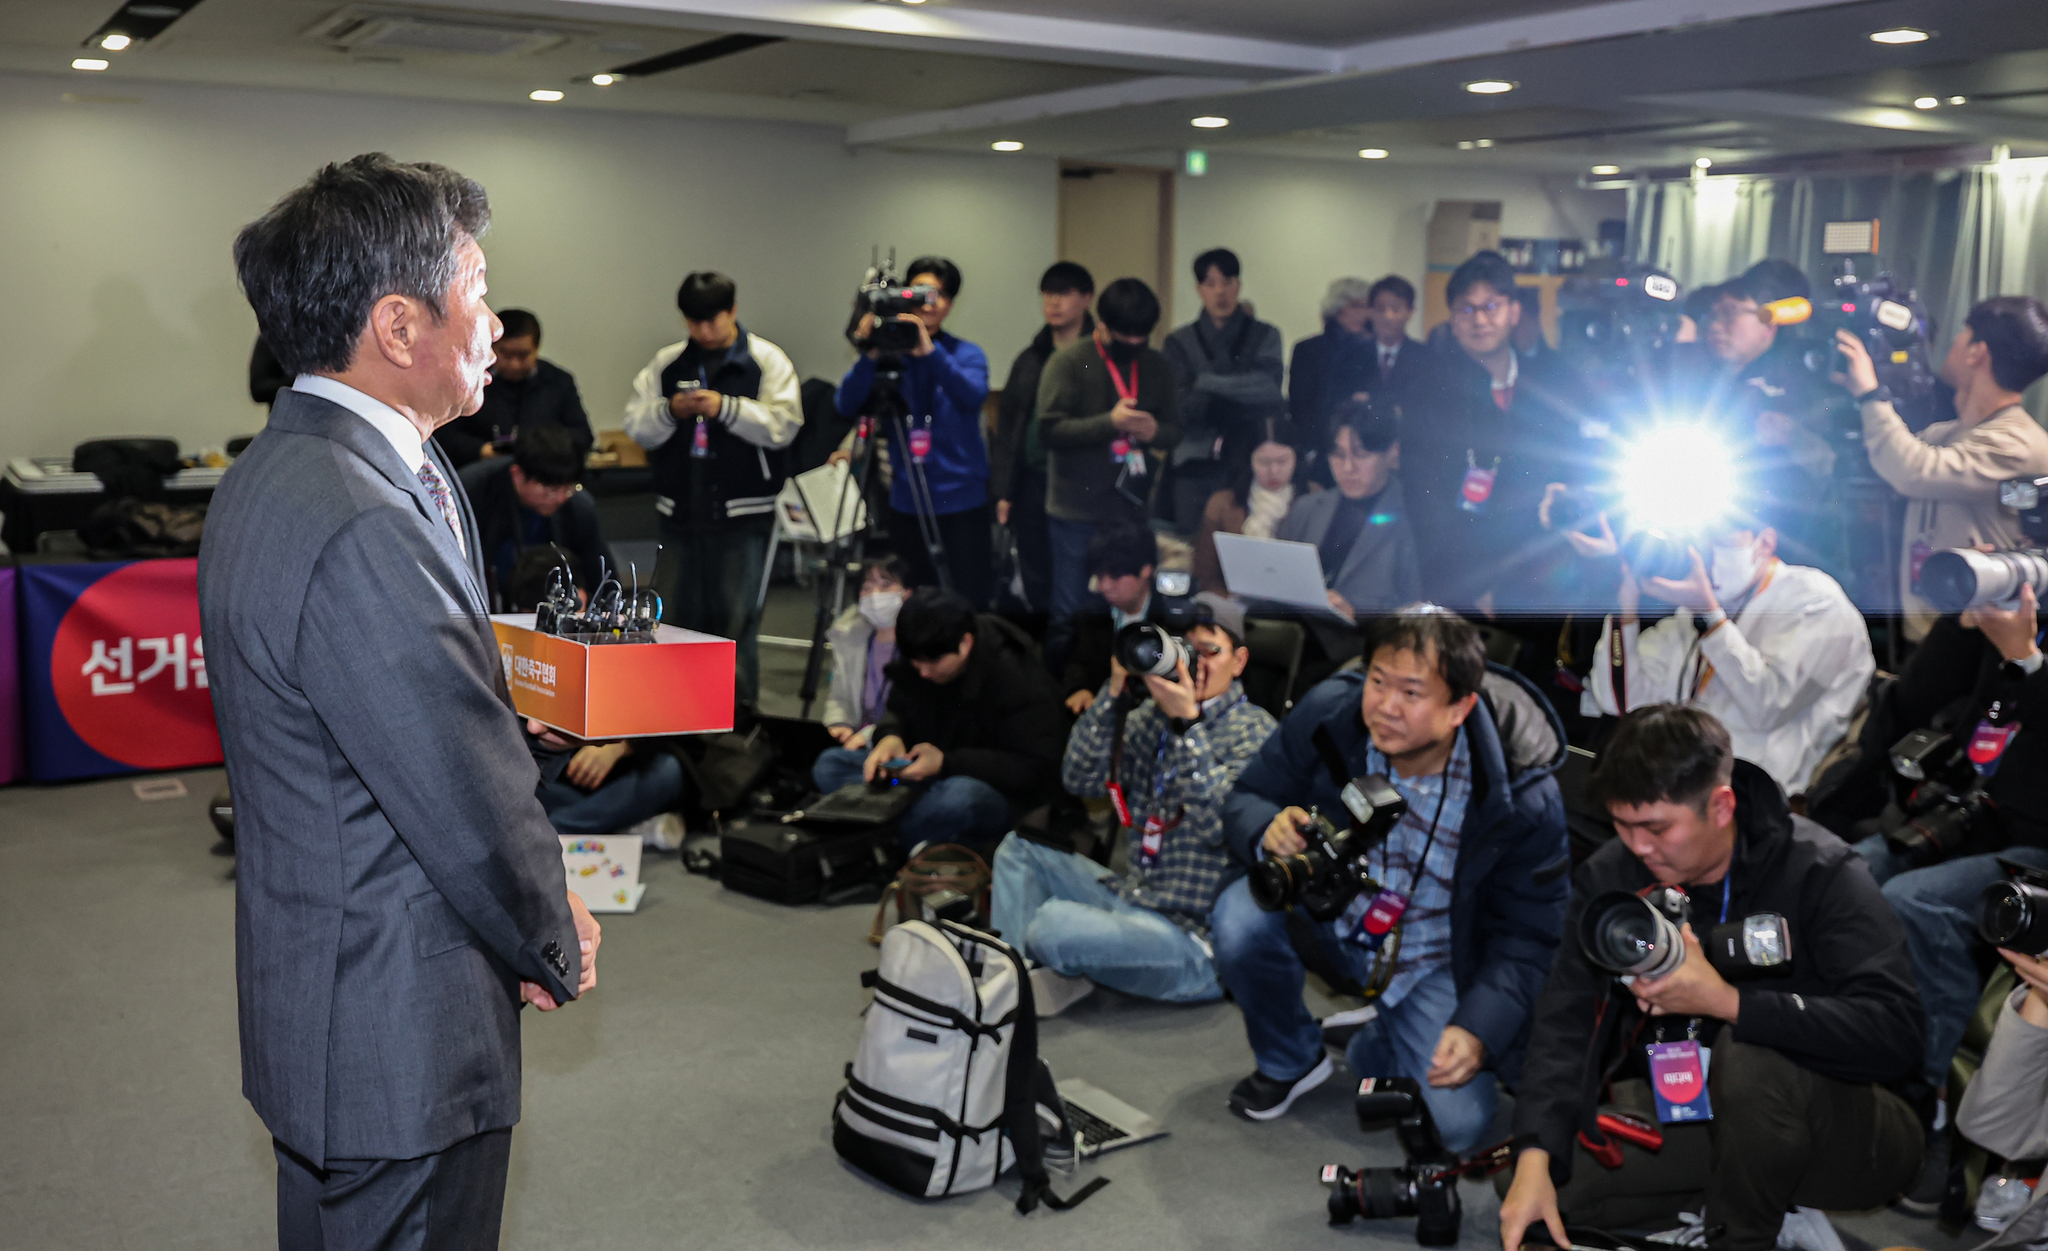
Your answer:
<point x="357" y="29"/>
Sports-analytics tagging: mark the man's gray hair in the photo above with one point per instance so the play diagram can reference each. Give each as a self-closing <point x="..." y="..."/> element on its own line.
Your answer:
<point x="1345" y="291"/>
<point x="320" y="259"/>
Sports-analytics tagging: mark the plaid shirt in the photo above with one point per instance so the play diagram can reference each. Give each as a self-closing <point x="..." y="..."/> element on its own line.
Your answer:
<point x="1426" y="924"/>
<point x="1168" y="773"/>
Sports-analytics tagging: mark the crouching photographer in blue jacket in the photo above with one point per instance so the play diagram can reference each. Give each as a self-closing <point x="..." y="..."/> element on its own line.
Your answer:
<point x="1445" y="897"/>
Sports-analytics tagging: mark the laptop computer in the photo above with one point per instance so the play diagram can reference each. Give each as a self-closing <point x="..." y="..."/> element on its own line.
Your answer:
<point x="1279" y="570"/>
<point x="859" y="804"/>
<point x="1104" y="1121"/>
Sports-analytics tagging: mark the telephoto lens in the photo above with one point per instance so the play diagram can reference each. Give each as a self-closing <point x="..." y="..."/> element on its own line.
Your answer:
<point x="1147" y="650"/>
<point x="1633" y="935"/>
<point x="1962" y="578"/>
<point x="1278" y="882"/>
<point x="2014" y="914"/>
<point x="1427" y="1192"/>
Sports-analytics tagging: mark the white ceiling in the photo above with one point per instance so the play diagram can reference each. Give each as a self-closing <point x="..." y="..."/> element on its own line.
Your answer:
<point x="1645" y="84"/>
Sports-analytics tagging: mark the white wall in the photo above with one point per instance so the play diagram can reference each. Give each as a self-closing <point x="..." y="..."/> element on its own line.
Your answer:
<point x="119" y="311"/>
<point x="1297" y="224"/>
<point x="118" y="305"/>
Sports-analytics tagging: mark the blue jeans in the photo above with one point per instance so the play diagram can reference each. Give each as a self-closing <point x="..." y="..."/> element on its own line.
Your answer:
<point x="1054" y="906"/>
<point x="1938" y="906"/>
<point x="836" y="767"/>
<point x="1069" y="543"/>
<point x="1255" y="959"/>
<point x="639" y="787"/>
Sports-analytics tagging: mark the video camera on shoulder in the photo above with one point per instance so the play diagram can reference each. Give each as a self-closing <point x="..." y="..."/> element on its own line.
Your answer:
<point x="1157" y="648"/>
<point x="1891" y="324"/>
<point x="888" y="297"/>
<point x="1961" y="578"/>
<point x="1634" y="934"/>
<point x="2013" y="914"/>
<point x="1616" y="323"/>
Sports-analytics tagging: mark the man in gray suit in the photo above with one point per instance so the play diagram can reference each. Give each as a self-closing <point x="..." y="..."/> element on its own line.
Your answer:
<point x="399" y="891"/>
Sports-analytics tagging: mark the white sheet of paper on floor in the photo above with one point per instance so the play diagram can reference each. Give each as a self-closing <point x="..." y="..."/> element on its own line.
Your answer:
<point x="604" y="869"/>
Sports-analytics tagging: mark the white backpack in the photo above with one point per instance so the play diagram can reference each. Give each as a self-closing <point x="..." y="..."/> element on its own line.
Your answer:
<point x="947" y="1090"/>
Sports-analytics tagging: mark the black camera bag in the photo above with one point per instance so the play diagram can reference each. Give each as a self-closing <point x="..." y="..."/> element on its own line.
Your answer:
<point x="800" y="864"/>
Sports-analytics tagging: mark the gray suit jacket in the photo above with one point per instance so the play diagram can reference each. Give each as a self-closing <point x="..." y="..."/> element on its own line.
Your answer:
<point x="395" y="876"/>
<point x="1381" y="571"/>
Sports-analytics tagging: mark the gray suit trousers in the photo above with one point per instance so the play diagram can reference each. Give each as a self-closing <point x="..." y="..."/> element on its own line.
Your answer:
<point x="449" y="1201"/>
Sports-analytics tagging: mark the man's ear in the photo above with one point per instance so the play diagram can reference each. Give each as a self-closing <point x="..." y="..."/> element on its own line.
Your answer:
<point x="1238" y="660"/>
<point x="967" y="644"/>
<point x="1721" y="805"/>
<point x="394" y="329"/>
<point x="1463" y="708"/>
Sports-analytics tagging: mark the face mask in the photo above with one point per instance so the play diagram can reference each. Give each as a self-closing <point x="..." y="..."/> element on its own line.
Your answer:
<point x="1123" y="353"/>
<point x="1732" y="568"/>
<point x="880" y="608"/>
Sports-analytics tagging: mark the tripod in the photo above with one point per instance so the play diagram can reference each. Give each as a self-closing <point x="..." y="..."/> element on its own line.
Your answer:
<point x="884" y="408"/>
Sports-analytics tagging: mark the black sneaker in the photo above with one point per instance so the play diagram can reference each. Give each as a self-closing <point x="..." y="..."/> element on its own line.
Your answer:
<point x="1924" y="1199"/>
<point x="1261" y="1098"/>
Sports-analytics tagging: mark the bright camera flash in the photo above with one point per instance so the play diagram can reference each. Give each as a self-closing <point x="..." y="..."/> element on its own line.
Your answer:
<point x="1677" y="478"/>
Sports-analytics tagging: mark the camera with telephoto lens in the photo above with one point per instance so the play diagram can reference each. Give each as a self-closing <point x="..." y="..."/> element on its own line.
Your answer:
<point x="1891" y="324"/>
<point x="1426" y="1187"/>
<point x="1961" y="578"/>
<point x="1945" y="807"/>
<point x="886" y="296"/>
<point x="1155" y="648"/>
<point x="1325" y="876"/>
<point x="2013" y="914"/>
<point x="1635" y="934"/>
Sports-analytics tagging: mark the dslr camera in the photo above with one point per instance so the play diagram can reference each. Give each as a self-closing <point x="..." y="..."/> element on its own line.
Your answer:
<point x="887" y="297"/>
<point x="2014" y="913"/>
<point x="1614" y="326"/>
<point x="1426" y="1187"/>
<point x="1945" y="807"/>
<point x="1325" y="876"/>
<point x="1156" y="649"/>
<point x="1634" y="934"/>
<point x="1963" y="577"/>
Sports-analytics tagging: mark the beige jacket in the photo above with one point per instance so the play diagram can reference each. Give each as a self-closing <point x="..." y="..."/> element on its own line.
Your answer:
<point x="1949" y="476"/>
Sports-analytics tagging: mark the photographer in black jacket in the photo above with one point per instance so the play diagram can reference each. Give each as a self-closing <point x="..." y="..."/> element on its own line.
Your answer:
<point x="1797" y="1115"/>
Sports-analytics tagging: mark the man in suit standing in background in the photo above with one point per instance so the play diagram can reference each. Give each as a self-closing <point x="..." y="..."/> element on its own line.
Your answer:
<point x="399" y="892"/>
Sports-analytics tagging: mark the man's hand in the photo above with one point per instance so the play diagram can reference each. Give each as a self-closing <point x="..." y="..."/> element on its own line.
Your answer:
<point x="1694" y="988"/>
<point x="1458" y="1056"/>
<point x="1175" y="696"/>
<point x="693" y="403"/>
<point x="1857" y="375"/>
<point x="593" y="763"/>
<point x="589" y="934"/>
<point x="888" y="749"/>
<point x="1342" y="607"/>
<point x="2013" y="631"/>
<point x="1694" y="592"/>
<point x="925" y="762"/>
<point x="1552" y="492"/>
<point x="1594" y="546"/>
<point x="1002" y="512"/>
<point x="1531" y="1199"/>
<point x="839" y="456"/>
<point x="1283" y="836"/>
<point x="1080" y="701"/>
<point x="1134" y="421"/>
<point x="552" y="738"/>
<point x="840" y="733"/>
<point x="2034" y="972"/>
<point x="488" y="450"/>
<point x="924" y="334"/>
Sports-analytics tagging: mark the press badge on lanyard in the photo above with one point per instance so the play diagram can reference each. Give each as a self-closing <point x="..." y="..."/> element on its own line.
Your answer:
<point x="921" y="442"/>
<point x="1477" y="488"/>
<point x="1151" y="841"/>
<point x="1988" y="744"/>
<point x="1381" y="916"/>
<point x="700" y="441"/>
<point x="1678" y="1077"/>
<point x="1121" y="450"/>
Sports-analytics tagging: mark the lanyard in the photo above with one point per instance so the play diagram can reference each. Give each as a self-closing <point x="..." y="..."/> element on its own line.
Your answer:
<point x="1429" y="844"/>
<point x="1128" y="392"/>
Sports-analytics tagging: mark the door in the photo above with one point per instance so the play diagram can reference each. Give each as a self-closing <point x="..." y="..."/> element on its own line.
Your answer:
<point x="1117" y="220"/>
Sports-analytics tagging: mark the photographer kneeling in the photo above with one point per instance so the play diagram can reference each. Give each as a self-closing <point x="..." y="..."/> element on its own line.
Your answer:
<point x="1453" y="948"/>
<point x="1792" y="1109"/>
<point x="1143" y="933"/>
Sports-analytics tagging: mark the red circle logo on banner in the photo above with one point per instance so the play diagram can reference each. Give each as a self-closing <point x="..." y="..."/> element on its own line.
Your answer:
<point x="129" y="671"/>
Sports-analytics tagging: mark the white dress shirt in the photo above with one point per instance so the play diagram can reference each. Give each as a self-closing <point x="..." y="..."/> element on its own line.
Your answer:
<point x="1388" y="354"/>
<point x="403" y="436"/>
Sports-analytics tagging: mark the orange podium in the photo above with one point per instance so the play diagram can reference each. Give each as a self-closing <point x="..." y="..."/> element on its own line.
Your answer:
<point x="681" y="683"/>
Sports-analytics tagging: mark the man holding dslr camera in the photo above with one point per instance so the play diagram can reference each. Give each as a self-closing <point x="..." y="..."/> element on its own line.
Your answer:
<point x="1950" y="471"/>
<point x="1144" y="932"/>
<point x="1453" y="947"/>
<point x="1821" y="1009"/>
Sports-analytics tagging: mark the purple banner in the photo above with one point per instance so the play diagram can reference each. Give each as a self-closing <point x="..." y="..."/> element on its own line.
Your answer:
<point x="12" y="764"/>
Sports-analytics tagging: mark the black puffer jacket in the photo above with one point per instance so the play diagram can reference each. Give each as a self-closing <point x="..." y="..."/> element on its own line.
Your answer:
<point x="1848" y="1009"/>
<point x="1000" y="721"/>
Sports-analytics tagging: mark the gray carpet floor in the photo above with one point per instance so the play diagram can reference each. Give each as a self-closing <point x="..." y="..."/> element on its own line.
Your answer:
<point x="682" y="1104"/>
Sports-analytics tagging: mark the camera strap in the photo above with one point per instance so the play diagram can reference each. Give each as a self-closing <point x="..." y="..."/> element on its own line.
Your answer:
<point x="1617" y="665"/>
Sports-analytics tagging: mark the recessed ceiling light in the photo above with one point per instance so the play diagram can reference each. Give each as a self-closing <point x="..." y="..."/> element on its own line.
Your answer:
<point x="1489" y="86"/>
<point x="1482" y="143"/>
<point x="156" y="12"/>
<point x="1604" y="170"/>
<point x="88" y="63"/>
<point x="1007" y="145"/>
<point x="1373" y="154"/>
<point x="1959" y="99"/>
<point x="1899" y="34"/>
<point x="1209" y="123"/>
<point x="1705" y="162"/>
<point x="116" y="43"/>
<point x="604" y="80"/>
<point x="1464" y="145"/>
<point x="1926" y="102"/>
<point x="544" y="95"/>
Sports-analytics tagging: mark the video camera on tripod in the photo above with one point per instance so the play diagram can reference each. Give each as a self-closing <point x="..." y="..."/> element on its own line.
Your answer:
<point x="887" y="297"/>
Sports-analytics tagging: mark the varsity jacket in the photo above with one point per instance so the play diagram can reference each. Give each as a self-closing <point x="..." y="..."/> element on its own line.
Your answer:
<point x="759" y="416"/>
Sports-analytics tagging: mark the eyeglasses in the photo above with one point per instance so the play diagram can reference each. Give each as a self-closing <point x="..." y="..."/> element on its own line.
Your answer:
<point x="1489" y="310"/>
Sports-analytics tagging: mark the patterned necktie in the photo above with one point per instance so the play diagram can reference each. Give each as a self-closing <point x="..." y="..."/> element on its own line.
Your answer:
<point x="430" y="478"/>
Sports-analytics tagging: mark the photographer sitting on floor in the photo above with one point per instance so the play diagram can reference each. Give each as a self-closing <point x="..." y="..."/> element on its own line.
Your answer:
<point x="1142" y="933"/>
<point x="2006" y="1109"/>
<point x="974" y="713"/>
<point x="1478" y="863"/>
<point x="1796" y="1114"/>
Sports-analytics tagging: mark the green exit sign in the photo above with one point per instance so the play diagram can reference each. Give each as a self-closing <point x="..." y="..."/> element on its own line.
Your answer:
<point x="1198" y="162"/>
